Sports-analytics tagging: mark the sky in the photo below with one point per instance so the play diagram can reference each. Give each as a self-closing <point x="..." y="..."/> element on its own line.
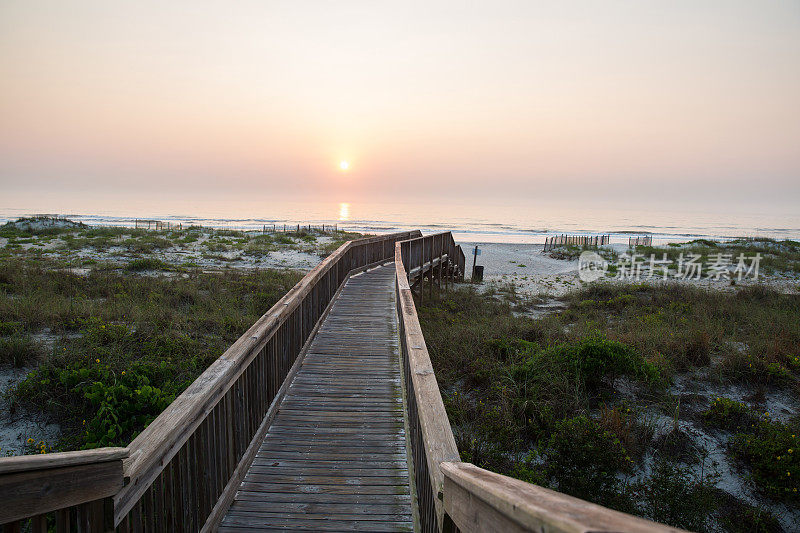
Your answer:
<point x="684" y="102"/>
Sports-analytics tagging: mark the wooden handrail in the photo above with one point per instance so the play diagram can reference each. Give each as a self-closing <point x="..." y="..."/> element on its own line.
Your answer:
<point x="431" y="437"/>
<point x="479" y="500"/>
<point x="18" y="463"/>
<point x="77" y="486"/>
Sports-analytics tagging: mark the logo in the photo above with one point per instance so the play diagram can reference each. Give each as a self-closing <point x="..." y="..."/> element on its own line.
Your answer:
<point x="591" y="266"/>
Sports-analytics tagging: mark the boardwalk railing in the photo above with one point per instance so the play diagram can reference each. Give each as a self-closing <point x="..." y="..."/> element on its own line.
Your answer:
<point x="436" y="257"/>
<point x="71" y="490"/>
<point x="184" y="468"/>
<point x="431" y="437"/>
<point x="575" y="240"/>
<point x="452" y="495"/>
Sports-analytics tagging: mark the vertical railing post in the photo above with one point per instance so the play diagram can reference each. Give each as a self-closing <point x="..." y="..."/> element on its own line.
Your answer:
<point x="430" y="270"/>
<point x="441" y="254"/>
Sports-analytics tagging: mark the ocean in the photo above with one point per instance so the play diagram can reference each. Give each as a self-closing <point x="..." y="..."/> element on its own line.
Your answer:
<point x="470" y="222"/>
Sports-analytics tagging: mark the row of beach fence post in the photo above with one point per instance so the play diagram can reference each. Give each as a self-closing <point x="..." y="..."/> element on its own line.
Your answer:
<point x="159" y="225"/>
<point x="591" y="240"/>
<point x="575" y="240"/>
<point x="646" y="240"/>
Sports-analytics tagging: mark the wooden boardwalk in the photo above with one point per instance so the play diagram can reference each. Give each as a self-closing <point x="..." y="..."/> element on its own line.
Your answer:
<point x="334" y="458"/>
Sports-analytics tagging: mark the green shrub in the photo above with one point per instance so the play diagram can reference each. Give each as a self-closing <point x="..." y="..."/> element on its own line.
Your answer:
<point x="511" y="349"/>
<point x="728" y="414"/>
<point x="580" y="459"/>
<point x="751" y="519"/>
<point x="770" y="450"/>
<point x="146" y="263"/>
<point x="591" y="360"/>
<point x="674" y="496"/>
<point x="122" y="402"/>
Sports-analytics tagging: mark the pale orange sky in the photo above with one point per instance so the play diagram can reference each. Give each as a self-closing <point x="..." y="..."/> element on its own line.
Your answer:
<point x="502" y="99"/>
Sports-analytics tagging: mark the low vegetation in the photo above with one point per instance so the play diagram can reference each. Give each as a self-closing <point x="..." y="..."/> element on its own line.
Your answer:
<point x="141" y="249"/>
<point x="614" y="399"/>
<point x="111" y="343"/>
<point x="776" y="257"/>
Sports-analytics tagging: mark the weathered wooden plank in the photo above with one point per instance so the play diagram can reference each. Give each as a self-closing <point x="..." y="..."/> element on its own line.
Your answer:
<point x="332" y="463"/>
<point x="233" y="519"/>
<point x="348" y="470"/>
<point x="333" y="493"/>
<point x="353" y="513"/>
<point x="357" y="513"/>
<point x="60" y="459"/>
<point x="330" y="508"/>
<point x="36" y="492"/>
<point x="479" y="500"/>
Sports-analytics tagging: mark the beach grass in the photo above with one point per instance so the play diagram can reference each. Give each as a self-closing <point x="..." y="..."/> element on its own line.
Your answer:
<point x="585" y="399"/>
<point x="122" y="342"/>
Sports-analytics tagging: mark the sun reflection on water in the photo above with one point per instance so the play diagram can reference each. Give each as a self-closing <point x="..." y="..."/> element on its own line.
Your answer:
<point x="344" y="211"/>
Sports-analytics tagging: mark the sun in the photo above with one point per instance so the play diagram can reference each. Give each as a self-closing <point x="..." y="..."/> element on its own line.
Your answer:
<point x="344" y="165"/>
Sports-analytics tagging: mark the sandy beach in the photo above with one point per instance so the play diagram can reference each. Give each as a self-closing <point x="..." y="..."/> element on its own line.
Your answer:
<point x="536" y="273"/>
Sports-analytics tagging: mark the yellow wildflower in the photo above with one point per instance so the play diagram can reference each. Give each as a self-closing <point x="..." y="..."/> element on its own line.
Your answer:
<point x="97" y="360"/>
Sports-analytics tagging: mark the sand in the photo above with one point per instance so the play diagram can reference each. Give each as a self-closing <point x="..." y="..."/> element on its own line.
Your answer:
<point x="300" y="256"/>
<point x="535" y="273"/>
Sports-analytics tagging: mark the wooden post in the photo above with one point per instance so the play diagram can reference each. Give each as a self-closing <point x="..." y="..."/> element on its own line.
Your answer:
<point x="421" y="270"/>
<point x="441" y="249"/>
<point x="430" y="270"/>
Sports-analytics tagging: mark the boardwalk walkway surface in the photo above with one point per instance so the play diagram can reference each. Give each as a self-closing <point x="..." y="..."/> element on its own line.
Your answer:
<point x="334" y="458"/>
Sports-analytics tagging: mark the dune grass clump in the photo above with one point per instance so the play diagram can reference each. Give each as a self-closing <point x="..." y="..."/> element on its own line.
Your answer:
<point x="20" y="350"/>
<point x="147" y="263"/>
